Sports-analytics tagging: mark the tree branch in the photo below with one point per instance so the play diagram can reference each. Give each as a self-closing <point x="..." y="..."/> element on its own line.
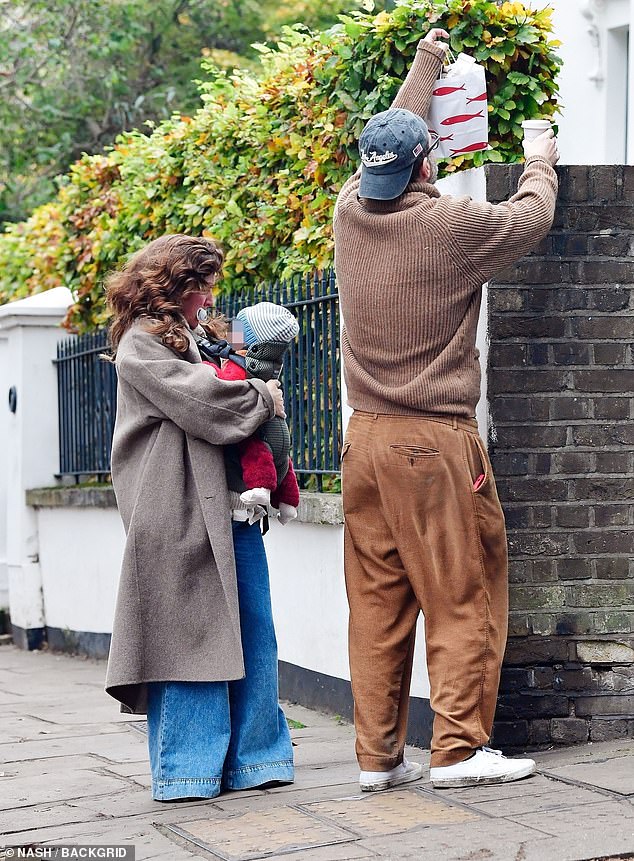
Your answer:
<point x="33" y="74"/>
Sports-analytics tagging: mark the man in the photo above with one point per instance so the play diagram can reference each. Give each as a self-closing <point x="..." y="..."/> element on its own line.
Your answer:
<point x="424" y="527"/>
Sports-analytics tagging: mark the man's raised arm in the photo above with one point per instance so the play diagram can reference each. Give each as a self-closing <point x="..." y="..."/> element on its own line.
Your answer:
<point x="416" y="90"/>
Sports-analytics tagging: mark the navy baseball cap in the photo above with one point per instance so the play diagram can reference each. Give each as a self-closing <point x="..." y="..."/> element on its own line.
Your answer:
<point x="389" y="145"/>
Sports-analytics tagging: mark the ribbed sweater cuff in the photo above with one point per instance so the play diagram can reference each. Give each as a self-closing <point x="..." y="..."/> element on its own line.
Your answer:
<point x="431" y="48"/>
<point x="533" y="158"/>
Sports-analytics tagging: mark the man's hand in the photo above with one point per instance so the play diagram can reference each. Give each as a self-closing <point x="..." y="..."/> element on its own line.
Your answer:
<point x="278" y="398"/>
<point x="435" y="34"/>
<point x="545" y="145"/>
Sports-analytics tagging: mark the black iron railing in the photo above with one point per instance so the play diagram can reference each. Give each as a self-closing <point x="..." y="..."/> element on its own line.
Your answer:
<point x="87" y="399"/>
<point x="311" y="379"/>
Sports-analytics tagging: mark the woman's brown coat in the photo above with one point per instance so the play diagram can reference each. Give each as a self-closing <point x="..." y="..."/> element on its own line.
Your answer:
<point x="177" y="608"/>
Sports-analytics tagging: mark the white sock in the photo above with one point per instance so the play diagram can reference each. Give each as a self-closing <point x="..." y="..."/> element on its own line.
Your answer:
<point x="256" y="496"/>
<point x="286" y="513"/>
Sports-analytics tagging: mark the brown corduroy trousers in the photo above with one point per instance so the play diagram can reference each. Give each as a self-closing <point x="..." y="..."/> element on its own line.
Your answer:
<point x="418" y="536"/>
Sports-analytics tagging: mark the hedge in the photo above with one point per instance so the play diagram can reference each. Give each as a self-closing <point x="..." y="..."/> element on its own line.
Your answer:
<point x="259" y="165"/>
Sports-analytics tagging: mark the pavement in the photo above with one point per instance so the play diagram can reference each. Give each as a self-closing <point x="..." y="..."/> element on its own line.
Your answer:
<point x="75" y="772"/>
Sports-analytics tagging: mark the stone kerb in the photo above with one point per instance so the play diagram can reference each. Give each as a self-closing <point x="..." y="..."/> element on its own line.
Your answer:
<point x="561" y="389"/>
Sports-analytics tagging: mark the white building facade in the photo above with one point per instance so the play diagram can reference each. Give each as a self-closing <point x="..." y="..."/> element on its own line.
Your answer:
<point x="596" y="124"/>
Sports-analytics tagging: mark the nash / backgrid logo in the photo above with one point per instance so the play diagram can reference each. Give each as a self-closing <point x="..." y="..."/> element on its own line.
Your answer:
<point x="81" y="852"/>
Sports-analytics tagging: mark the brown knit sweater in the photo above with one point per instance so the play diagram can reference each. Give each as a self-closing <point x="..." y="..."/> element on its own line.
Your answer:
<point x="410" y="274"/>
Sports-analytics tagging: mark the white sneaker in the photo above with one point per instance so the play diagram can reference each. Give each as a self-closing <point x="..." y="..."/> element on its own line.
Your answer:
<point x="485" y="766"/>
<point x="375" y="781"/>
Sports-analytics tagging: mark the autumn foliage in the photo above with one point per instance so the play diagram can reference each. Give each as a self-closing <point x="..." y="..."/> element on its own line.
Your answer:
<point x="259" y="165"/>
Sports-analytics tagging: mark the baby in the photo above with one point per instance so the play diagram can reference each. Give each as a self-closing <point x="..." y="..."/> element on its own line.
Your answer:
<point x="260" y="468"/>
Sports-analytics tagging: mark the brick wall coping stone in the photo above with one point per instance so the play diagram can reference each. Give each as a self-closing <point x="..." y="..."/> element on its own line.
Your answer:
<point x="321" y="508"/>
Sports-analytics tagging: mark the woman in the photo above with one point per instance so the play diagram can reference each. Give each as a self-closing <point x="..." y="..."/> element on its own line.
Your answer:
<point x="193" y="644"/>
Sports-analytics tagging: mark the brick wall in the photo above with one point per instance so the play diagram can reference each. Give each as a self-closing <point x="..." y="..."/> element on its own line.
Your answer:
<point x="561" y="389"/>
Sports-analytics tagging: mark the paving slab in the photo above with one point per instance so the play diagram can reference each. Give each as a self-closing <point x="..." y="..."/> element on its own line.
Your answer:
<point x="614" y="773"/>
<point x="310" y="752"/>
<point x="593" y="752"/>
<point x="325" y="774"/>
<point x="581" y="839"/>
<point x="475" y="840"/>
<point x="137" y="772"/>
<point x="120" y="746"/>
<point x="20" y="729"/>
<point x="235" y="802"/>
<point x="148" y="841"/>
<point x="314" y="720"/>
<point x="603" y="817"/>
<point x="72" y="713"/>
<point x="56" y="786"/>
<point x="508" y="844"/>
<point x="543" y="802"/>
<point x="17" y="821"/>
<point x="342" y="852"/>
<point x="536" y="784"/>
<point x="136" y="801"/>
<point x="45" y="768"/>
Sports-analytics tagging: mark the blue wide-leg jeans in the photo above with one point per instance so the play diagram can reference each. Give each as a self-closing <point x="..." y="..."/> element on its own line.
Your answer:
<point x="208" y="736"/>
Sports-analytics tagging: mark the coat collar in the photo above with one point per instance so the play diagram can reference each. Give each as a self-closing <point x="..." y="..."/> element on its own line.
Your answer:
<point x="192" y="354"/>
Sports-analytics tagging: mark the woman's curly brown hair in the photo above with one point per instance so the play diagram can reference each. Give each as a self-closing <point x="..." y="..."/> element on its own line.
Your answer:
<point x="152" y="284"/>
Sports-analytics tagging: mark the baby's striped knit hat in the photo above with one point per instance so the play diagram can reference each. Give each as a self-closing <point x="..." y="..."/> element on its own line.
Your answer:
<point x="267" y="322"/>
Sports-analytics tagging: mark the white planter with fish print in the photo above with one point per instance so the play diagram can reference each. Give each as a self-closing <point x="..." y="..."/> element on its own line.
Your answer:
<point x="458" y="112"/>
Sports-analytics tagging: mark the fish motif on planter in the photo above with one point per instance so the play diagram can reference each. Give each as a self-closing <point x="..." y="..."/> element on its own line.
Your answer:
<point x="471" y="148"/>
<point x="460" y="118"/>
<point x="445" y="91"/>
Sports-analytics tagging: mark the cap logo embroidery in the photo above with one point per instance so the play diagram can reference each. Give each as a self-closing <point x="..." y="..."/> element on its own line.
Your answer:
<point x="417" y="150"/>
<point x="376" y="159"/>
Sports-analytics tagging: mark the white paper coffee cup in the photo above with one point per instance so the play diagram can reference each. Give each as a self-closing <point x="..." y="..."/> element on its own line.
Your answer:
<point x="534" y="128"/>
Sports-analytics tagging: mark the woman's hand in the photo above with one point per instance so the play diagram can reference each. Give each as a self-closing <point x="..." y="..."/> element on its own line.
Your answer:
<point x="278" y="398"/>
<point x="434" y="34"/>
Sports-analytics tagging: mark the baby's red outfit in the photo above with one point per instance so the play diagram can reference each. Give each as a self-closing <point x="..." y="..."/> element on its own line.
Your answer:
<point x="258" y="467"/>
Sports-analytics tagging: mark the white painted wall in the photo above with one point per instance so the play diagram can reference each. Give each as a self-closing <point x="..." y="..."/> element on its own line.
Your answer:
<point x="596" y="126"/>
<point x="308" y="594"/>
<point x="4" y="465"/>
<point x="630" y="89"/>
<point x="80" y="557"/>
